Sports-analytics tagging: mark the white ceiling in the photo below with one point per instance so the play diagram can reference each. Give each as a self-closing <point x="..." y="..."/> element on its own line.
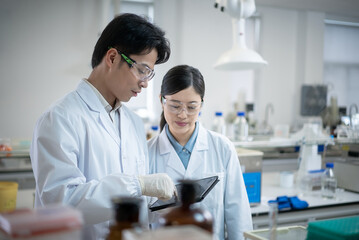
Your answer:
<point x="348" y="8"/>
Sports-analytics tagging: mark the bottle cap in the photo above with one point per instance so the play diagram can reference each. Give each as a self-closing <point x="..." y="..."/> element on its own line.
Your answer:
<point x="218" y="113"/>
<point x="126" y="208"/>
<point x="241" y="114"/>
<point x="329" y="165"/>
<point x="188" y="191"/>
<point x="154" y="128"/>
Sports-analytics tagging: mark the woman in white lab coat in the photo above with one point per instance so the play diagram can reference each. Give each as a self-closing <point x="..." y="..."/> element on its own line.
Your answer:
<point x="186" y="150"/>
<point x="88" y="147"/>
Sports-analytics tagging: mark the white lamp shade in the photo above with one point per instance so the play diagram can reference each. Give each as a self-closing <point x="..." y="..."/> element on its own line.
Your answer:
<point x="239" y="58"/>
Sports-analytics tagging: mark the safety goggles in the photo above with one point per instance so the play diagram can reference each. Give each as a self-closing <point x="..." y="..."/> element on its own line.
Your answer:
<point x="177" y="107"/>
<point x="141" y="71"/>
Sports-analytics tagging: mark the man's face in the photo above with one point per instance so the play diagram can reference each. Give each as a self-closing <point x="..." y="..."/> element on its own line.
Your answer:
<point x="122" y="81"/>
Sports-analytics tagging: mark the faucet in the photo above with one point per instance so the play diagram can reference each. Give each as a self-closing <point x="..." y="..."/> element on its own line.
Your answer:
<point x="269" y="108"/>
<point x="350" y="112"/>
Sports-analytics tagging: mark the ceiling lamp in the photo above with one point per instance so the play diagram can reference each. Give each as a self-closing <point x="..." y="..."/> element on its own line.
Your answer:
<point x="239" y="57"/>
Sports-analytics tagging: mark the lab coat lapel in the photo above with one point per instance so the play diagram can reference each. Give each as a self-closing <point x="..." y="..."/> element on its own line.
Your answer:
<point x="90" y="98"/>
<point x="199" y="150"/>
<point x="170" y="156"/>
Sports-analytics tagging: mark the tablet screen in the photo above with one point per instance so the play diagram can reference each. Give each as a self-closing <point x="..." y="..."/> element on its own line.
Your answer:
<point x="203" y="187"/>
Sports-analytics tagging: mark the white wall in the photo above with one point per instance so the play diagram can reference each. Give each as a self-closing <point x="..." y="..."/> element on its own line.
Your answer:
<point x="46" y="48"/>
<point x="291" y="41"/>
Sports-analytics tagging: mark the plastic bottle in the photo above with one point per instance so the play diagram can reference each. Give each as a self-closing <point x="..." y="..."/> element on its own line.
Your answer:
<point x="219" y="124"/>
<point x="187" y="213"/>
<point x="329" y="182"/>
<point x="152" y="132"/>
<point x="127" y="211"/>
<point x="241" y="127"/>
<point x="272" y="218"/>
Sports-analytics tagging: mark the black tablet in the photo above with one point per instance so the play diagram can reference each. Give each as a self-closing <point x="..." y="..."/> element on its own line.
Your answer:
<point x="203" y="187"/>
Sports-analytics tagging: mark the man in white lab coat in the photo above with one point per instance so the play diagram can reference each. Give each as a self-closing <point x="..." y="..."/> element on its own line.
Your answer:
<point x="186" y="150"/>
<point x="88" y="147"/>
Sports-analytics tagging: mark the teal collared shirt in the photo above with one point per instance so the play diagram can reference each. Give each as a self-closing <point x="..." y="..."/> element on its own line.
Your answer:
<point x="184" y="153"/>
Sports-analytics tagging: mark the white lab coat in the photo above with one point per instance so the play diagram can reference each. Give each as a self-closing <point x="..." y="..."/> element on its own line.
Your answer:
<point x="213" y="154"/>
<point x="79" y="159"/>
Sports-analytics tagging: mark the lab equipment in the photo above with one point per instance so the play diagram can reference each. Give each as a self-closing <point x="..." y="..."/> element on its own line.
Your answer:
<point x="251" y="165"/>
<point x="334" y="229"/>
<point x="241" y="127"/>
<point x="309" y="137"/>
<point x="329" y="182"/>
<point x="346" y="173"/>
<point x="187" y="213"/>
<point x="219" y="124"/>
<point x="127" y="212"/>
<point x="351" y="113"/>
<point x="157" y="185"/>
<point x="283" y="233"/>
<point x="239" y="57"/>
<point x="313" y="180"/>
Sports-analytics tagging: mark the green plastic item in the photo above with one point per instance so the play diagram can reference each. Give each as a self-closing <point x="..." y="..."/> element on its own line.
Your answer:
<point x="334" y="229"/>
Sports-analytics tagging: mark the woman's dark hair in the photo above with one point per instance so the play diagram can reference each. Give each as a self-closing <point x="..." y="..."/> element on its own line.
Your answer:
<point x="179" y="78"/>
<point x="131" y="34"/>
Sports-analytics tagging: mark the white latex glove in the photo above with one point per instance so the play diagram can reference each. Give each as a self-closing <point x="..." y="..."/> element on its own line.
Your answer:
<point x="158" y="185"/>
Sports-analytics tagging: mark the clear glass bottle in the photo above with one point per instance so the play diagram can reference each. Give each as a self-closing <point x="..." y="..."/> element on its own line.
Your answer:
<point x="187" y="213"/>
<point x="241" y="127"/>
<point x="329" y="182"/>
<point x="219" y="124"/>
<point x="127" y="212"/>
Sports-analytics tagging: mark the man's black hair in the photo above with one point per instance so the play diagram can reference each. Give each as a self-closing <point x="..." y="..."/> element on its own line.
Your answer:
<point x="131" y="34"/>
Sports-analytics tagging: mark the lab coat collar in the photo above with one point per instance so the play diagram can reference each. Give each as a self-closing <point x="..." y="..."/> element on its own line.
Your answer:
<point x="202" y="139"/>
<point x="94" y="104"/>
<point x="201" y="145"/>
<point x="197" y="156"/>
<point x="89" y="96"/>
<point x="201" y="142"/>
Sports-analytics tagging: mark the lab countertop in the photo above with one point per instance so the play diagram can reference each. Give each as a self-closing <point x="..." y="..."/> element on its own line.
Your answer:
<point x="271" y="190"/>
<point x="346" y="203"/>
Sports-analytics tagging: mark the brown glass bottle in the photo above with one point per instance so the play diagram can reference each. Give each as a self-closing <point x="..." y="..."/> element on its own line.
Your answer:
<point x="127" y="212"/>
<point x="187" y="214"/>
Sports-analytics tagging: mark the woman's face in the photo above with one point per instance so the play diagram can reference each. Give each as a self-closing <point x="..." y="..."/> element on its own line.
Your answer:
<point x="181" y="111"/>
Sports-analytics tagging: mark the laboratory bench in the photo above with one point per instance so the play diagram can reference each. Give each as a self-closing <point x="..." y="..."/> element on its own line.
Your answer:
<point x="16" y="166"/>
<point x="279" y="155"/>
<point x="345" y="204"/>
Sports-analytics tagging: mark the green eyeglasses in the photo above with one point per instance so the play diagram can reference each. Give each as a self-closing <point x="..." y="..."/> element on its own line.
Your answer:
<point x="141" y="71"/>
